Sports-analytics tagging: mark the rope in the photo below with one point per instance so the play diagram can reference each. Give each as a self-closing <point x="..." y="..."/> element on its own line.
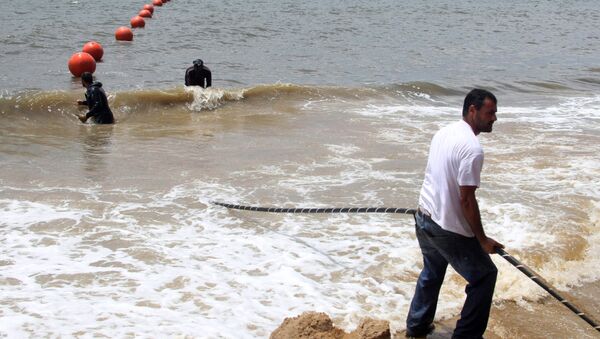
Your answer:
<point x="516" y="263"/>
<point x="319" y="210"/>
<point x="542" y="283"/>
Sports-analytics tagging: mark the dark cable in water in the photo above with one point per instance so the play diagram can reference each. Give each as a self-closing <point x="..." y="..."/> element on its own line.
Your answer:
<point x="319" y="210"/>
<point x="512" y="260"/>
<point x="546" y="286"/>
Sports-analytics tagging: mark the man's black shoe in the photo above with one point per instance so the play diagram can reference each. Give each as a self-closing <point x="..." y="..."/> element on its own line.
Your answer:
<point x="420" y="334"/>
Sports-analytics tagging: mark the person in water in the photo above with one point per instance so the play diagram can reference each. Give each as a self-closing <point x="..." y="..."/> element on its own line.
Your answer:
<point x="95" y="99"/>
<point x="197" y="74"/>
<point x="448" y="223"/>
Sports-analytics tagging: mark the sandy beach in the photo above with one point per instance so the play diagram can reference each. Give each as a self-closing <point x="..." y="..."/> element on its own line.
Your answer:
<point x="546" y="318"/>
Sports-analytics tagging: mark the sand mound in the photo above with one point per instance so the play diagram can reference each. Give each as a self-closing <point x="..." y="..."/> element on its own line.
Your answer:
<point x="314" y="325"/>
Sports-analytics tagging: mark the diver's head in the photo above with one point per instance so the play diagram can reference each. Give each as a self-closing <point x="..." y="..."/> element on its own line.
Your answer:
<point x="86" y="79"/>
<point x="198" y="63"/>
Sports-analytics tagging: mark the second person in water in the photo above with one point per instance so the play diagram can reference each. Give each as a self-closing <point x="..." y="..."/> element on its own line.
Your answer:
<point x="198" y="75"/>
<point x="95" y="99"/>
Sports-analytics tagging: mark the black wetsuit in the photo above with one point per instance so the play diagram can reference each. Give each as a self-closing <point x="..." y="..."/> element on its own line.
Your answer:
<point x="196" y="77"/>
<point x="96" y="100"/>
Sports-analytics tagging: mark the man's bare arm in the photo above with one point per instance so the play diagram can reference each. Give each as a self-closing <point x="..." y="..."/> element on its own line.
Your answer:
<point x="470" y="209"/>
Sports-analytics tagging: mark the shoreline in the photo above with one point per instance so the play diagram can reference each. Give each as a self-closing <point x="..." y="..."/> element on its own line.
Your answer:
<point x="546" y="318"/>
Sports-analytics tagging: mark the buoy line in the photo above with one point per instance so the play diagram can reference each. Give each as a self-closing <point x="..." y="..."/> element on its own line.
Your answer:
<point x="82" y="62"/>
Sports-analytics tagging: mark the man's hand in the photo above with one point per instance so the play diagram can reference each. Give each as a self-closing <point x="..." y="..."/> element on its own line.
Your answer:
<point x="81" y="102"/>
<point x="82" y="118"/>
<point x="489" y="245"/>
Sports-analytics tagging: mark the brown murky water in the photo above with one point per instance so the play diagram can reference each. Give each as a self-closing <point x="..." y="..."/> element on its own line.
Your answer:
<point x="110" y="230"/>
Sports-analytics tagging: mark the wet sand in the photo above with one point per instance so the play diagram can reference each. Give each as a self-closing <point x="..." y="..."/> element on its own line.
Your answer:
<point x="546" y="318"/>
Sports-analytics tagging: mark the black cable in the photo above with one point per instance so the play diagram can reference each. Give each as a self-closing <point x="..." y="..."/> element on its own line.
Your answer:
<point x="319" y="210"/>
<point x="546" y="286"/>
<point x="516" y="263"/>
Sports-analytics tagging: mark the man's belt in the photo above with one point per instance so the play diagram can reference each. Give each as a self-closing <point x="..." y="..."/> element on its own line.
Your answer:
<point x="423" y="211"/>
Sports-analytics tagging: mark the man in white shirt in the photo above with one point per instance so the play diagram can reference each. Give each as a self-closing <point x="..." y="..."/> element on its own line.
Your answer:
<point x="448" y="223"/>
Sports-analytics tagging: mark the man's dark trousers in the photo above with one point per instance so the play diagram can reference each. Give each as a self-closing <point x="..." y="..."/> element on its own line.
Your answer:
<point x="465" y="255"/>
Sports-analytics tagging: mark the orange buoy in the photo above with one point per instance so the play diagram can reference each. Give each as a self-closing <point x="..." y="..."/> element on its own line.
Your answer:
<point x="144" y="13"/>
<point x="149" y="8"/>
<point x="81" y="62"/>
<point x="94" y="49"/>
<point x="124" y="34"/>
<point x="137" y="22"/>
<point x="157" y="2"/>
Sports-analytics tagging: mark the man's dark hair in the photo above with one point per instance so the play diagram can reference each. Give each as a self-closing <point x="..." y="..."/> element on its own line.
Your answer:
<point x="87" y="77"/>
<point x="476" y="98"/>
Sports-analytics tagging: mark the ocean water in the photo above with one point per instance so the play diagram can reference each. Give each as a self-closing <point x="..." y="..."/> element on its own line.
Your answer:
<point x="109" y="231"/>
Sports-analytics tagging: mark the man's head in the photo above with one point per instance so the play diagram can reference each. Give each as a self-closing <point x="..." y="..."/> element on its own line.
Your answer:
<point x="479" y="110"/>
<point x="87" y="79"/>
<point x="198" y="63"/>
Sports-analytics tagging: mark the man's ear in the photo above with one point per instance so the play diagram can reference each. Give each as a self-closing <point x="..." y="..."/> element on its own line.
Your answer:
<point x="471" y="113"/>
<point x="472" y="110"/>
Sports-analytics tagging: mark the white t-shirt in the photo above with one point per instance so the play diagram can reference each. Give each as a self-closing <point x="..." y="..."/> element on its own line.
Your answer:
<point x="455" y="159"/>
